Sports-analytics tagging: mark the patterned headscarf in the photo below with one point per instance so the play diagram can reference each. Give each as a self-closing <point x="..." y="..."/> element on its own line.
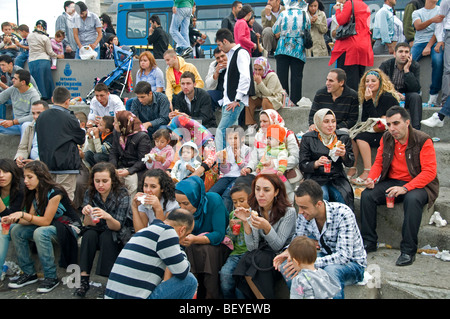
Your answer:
<point x="264" y="63"/>
<point x="274" y="118"/>
<point x="129" y="124"/>
<point x="327" y="140"/>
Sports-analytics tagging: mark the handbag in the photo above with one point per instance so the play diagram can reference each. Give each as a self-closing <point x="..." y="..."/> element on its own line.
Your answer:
<point x="372" y="125"/>
<point x="293" y="175"/>
<point x="307" y="38"/>
<point x="348" y="29"/>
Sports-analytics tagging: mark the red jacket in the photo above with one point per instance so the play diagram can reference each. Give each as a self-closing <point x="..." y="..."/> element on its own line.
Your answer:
<point x="242" y="35"/>
<point x="358" y="48"/>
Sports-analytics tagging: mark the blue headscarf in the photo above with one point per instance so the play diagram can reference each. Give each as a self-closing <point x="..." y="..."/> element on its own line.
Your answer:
<point x="194" y="189"/>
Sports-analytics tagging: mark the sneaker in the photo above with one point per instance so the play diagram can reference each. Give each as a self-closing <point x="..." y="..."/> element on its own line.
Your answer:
<point x="53" y="67"/>
<point x="433" y="121"/>
<point x="432" y="100"/>
<point x="186" y="53"/>
<point x="23" y="280"/>
<point x="47" y="285"/>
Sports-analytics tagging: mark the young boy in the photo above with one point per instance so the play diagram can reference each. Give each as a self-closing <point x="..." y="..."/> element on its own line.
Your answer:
<point x="187" y="164"/>
<point x="239" y="195"/>
<point x="8" y="40"/>
<point x="232" y="159"/>
<point x="23" y="46"/>
<point x="100" y="139"/>
<point x="310" y="283"/>
<point x="276" y="155"/>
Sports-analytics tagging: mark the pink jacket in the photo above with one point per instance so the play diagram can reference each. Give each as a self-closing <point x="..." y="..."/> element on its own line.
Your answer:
<point x="242" y="35"/>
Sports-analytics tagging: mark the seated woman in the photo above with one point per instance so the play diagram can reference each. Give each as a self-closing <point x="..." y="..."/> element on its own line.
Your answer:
<point x="268" y="90"/>
<point x="377" y="94"/>
<point x="204" y="247"/>
<point x="266" y="118"/>
<point x="267" y="231"/>
<point x="150" y="72"/>
<point x="107" y="216"/>
<point x="130" y="145"/>
<point x="46" y="215"/>
<point x="157" y="199"/>
<point x="11" y="197"/>
<point x="321" y="146"/>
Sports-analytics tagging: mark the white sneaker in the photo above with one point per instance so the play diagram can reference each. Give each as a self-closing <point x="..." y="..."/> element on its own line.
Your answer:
<point x="433" y="121"/>
<point x="432" y="100"/>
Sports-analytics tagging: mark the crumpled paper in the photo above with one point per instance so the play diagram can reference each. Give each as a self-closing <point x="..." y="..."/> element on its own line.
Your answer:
<point x="148" y="156"/>
<point x="438" y="220"/>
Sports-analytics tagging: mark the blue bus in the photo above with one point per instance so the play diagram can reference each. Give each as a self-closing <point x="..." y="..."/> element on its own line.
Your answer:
<point x="133" y="18"/>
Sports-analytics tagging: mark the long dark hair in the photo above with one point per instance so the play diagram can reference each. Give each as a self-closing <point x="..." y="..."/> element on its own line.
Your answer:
<point x="165" y="182"/>
<point x="116" y="183"/>
<point x="10" y="166"/>
<point x="280" y="202"/>
<point x="46" y="184"/>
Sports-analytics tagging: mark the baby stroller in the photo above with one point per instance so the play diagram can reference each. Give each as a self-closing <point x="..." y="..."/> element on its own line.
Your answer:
<point x="120" y="78"/>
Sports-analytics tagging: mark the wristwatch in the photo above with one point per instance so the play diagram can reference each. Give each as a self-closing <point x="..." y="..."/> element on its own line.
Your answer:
<point x="405" y="188"/>
<point x="239" y="101"/>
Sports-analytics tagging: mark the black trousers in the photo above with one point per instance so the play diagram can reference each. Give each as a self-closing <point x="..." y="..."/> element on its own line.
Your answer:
<point x="413" y="203"/>
<point x="354" y="72"/>
<point x="413" y="102"/>
<point x="284" y="63"/>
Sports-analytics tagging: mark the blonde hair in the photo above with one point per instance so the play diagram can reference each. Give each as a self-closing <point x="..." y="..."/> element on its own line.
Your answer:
<point x="385" y="86"/>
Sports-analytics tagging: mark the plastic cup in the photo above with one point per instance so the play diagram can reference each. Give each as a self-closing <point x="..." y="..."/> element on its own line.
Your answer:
<point x="390" y="199"/>
<point x="5" y="228"/>
<point x="236" y="229"/>
<point x="327" y="167"/>
<point x="94" y="217"/>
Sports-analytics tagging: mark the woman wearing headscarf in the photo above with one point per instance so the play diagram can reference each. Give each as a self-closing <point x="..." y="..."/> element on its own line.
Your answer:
<point x="39" y="60"/>
<point x="266" y="118"/>
<point x="268" y="90"/>
<point x="204" y="246"/>
<point x="130" y="145"/>
<point x="290" y="53"/>
<point x="321" y="146"/>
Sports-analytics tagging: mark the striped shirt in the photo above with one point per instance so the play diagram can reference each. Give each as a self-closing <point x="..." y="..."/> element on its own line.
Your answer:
<point x="140" y="266"/>
<point x="340" y="233"/>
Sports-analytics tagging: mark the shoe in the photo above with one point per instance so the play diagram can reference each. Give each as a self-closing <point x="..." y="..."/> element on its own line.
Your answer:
<point x="432" y="100"/>
<point x="186" y="53"/>
<point x="23" y="280"/>
<point x="84" y="287"/>
<point x="370" y="248"/>
<point x="53" y="67"/>
<point x="433" y="121"/>
<point x="47" y="285"/>
<point x="405" y="259"/>
<point x="349" y="177"/>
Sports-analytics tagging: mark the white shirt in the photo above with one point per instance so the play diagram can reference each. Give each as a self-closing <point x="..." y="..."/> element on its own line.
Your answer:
<point x="114" y="104"/>
<point x="243" y="65"/>
<point x="445" y="24"/>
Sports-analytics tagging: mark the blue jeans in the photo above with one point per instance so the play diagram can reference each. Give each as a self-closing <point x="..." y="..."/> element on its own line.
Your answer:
<point x="348" y="274"/>
<point x="175" y="288"/>
<point x="43" y="237"/>
<point x="228" y="119"/>
<point x="437" y="65"/>
<point x="331" y="194"/>
<point x="21" y="59"/>
<point x="216" y="96"/>
<point x="227" y="282"/>
<point x="223" y="187"/>
<point x="179" y="27"/>
<point x="4" y="245"/>
<point x="15" y="129"/>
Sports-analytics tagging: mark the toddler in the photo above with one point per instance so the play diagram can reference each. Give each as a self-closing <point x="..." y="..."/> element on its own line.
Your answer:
<point x="275" y="158"/>
<point x="161" y="156"/>
<point x="57" y="46"/>
<point x="20" y="60"/>
<point x="188" y="163"/>
<point x="310" y="283"/>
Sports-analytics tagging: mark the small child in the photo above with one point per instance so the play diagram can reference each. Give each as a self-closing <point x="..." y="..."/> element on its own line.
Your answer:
<point x="232" y="159"/>
<point x="8" y="40"/>
<point x="20" y="60"/>
<point x="239" y="194"/>
<point x="57" y="46"/>
<point x="310" y="283"/>
<point x="188" y="163"/>
<point x="274" y="160"/>
<point x="161" y="156"/>
<point x="99" y="141"/>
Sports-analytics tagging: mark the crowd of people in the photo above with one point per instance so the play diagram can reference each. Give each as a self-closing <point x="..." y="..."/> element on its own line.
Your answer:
<point x="178" y="204"/>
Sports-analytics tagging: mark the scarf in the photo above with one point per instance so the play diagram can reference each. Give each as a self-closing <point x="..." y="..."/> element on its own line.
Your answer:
<point x="327" y="140"/>
<point x="261" y="136"/>
<point x="264" y="63"/>
<point x="129" y="124"/>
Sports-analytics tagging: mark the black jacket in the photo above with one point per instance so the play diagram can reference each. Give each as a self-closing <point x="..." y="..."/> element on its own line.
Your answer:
<point x="160" y="40"/>
<point x="411" y="79"/>
<point x="200" y="107"/>
<point x="58" y="136"/>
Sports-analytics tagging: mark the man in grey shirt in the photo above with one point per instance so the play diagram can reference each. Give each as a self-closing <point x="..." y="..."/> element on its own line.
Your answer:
<point x="87" y="29"/>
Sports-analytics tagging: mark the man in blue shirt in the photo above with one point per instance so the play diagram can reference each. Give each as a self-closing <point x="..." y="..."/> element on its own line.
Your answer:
<point x="383" y="29"/>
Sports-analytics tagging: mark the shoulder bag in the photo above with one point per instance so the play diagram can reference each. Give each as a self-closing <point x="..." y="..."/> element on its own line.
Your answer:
<point x="348" y="29"/>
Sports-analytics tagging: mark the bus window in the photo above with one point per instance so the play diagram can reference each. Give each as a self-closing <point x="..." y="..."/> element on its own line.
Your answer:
<point x="137" y="24"/>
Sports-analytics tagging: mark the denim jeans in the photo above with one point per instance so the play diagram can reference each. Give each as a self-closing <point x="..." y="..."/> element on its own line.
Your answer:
<point x="4" y="245"/>
<point x="175" y="288"/>
<point x="347" y="274"/>
<point x="43" y="237"/>
<point x="227" y="282"/>
<point x="21" y="59"/>
<point x="223" y="187"/>
<point x="331" y="194"/>
<point x="179" y="27"/>
<point x="228" y="119"/>
<point x="437" y="65"/>
<point x="15" y="129"/>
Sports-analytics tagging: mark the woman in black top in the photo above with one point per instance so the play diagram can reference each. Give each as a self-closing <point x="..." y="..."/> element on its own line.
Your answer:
<point x="377" y="94"/>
